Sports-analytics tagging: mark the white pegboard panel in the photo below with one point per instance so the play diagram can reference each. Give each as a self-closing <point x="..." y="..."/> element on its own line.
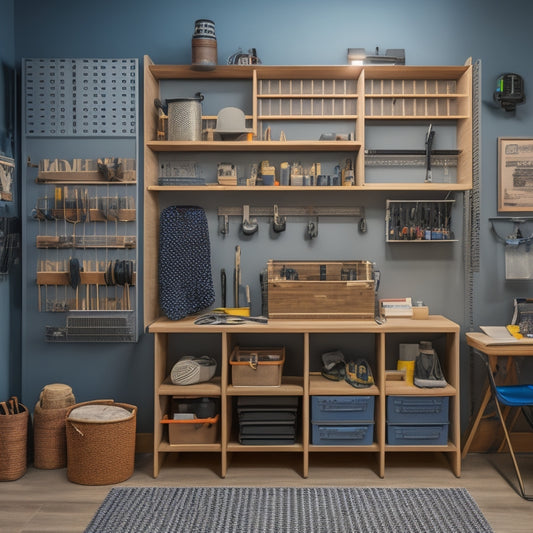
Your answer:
<point x="80" y="97"/>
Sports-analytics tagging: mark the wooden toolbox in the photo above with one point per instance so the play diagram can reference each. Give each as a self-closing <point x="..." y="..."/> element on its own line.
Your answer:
<point x="321" y="289"/>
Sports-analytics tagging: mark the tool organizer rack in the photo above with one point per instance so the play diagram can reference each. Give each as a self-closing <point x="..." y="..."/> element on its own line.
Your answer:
<point x="80" y="195"/>
<point x="371" y="104"/>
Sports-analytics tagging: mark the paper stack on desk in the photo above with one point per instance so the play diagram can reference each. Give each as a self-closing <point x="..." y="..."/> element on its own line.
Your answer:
<point x="501" y="335"/>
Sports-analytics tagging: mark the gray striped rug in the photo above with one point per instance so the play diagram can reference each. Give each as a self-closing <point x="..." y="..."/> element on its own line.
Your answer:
<point x="284" y="510"/>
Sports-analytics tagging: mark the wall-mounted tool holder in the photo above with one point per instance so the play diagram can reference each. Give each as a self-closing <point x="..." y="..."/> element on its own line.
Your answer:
<point x="518" y="242"/>
<point x="282" y="212"/>
<point x="81" y="125"/>
<point x="80" y="97"/>
<point x="68" y="285"/>
<point x="7" y="170"/>
<point x="410" y="158"/>
<point x="86" y="326"/>
<point x="419" y="221"/>
<point x="101" y="170"/>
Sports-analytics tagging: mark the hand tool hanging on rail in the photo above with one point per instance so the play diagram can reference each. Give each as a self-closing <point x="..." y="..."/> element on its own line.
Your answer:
<point x="429" y="143"/>
<point x="223" y="286"/>
<point x="237" y="276"/>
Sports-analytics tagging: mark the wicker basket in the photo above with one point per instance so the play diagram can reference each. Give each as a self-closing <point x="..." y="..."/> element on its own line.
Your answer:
<point x="13" y="444"/>
<point x="100" y="452"/>
<point x="49" y="437"/>
<point x="56" y="396"/>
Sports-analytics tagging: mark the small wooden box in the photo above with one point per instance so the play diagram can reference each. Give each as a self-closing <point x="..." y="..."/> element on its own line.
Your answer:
<point x="321" y="289"/>
<point x="257" y="367"/>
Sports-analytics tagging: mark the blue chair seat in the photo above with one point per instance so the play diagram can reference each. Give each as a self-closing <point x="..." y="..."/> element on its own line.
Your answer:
<point x="515" y="395"/>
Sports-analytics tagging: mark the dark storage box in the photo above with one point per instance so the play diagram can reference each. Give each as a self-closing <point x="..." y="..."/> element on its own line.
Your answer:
<point x="422" y="434"/>
<point x="340" y="408"/>
<point x="336" y="434"/>
<point x="417" y="409"/>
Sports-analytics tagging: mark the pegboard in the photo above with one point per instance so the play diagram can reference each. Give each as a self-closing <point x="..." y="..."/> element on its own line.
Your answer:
<point x="80" y="97"/>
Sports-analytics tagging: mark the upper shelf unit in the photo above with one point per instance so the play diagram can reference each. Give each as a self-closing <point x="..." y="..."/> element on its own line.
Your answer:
<point x="355" y="102"/>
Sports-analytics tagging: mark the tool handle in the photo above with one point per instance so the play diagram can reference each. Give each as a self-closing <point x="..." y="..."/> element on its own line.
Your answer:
<point x="223" y="286"/>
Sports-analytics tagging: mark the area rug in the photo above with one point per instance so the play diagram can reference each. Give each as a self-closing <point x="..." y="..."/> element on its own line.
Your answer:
<point x="287" y="510"/>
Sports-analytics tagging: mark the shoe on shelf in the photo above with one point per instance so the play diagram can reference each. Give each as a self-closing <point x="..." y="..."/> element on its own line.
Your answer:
<point x="359" y="374"/>
<point x="333" y="365"/>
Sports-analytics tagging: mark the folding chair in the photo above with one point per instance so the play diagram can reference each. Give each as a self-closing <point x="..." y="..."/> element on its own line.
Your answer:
<point x="512" y="396"/>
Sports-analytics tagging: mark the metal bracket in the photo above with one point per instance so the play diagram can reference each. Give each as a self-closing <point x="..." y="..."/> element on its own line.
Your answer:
<point x="355" y="211"/>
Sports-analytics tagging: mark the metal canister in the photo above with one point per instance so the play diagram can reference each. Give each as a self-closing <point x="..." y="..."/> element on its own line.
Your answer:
<point x="204" y="45"/>
<point x="185" y="118"/>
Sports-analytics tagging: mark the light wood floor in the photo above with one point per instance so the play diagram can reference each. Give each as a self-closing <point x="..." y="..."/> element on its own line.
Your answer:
<point x="45" y="501"/>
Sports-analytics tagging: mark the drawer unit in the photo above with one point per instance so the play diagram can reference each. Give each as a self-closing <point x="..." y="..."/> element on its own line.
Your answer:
<point x="336" y="434"/>
<point x="342" y="408"/>
<point x="417" y="409"/>
<point x="420" y="434"/>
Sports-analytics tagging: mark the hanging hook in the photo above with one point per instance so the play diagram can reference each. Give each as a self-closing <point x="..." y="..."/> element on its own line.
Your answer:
<point x="312" y="228"/>
<point x="223" y="226"/>
<point x="249" y="226"/>
<point x="279" y="223"/>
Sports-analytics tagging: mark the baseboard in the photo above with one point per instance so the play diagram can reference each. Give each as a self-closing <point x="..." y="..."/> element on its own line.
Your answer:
<point x="144" y="443"/>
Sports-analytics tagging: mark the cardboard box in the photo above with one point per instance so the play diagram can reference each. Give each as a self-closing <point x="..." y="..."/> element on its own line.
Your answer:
<point x="321" y="289"/>
<point x="192" y="431"/>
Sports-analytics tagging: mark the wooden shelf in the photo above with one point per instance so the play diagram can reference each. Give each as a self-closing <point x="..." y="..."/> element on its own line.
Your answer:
<point x="211" y="388"/>
<point x="416" y="117"/>
<point x="320" y="386"/>
<point x="308" y="117"/>
<point x="253" y="146"/>
<point x="399" y="388"/>
<point x="290" y="386"/>
<point x="416" y="96"/>
<point x="234" y="446"/>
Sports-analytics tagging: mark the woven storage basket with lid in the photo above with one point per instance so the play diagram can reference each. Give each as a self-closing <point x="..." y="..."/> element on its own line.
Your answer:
<point x="56" y="396"/>
<point x="49" y="435"/>
<point x="100" y="442"/>
<point x="13" y="444"/>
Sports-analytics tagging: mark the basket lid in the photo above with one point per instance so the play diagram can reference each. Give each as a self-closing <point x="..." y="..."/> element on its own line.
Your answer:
<point x="99" y="413"/>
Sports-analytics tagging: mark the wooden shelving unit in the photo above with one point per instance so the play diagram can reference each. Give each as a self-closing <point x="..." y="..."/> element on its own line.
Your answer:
<point x="310" y="383"/>
<point x="349" y="96"/>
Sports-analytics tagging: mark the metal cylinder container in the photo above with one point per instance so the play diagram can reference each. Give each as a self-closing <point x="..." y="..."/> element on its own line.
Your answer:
<point x="185" y="118"/>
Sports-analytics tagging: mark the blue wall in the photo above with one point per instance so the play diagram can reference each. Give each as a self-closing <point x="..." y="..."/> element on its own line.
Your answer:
<point x="10" y="382"/>
<point x="299" y="32"/>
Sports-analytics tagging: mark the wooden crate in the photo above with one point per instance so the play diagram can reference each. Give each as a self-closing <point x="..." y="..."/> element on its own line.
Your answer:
<point x="323" y="289"/>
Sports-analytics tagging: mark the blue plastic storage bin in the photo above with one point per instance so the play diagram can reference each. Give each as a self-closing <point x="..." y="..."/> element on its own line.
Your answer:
<point x="417" y="409"/>
<point x="340" y="408"/>
<point x="424" y="434"/>
<point x="342" y="434"/>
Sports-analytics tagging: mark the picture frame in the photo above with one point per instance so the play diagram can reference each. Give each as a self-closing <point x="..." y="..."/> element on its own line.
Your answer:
<point x="515" y="174"/>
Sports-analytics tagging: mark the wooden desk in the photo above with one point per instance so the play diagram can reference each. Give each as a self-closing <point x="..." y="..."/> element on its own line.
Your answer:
<point x="494" y="351"/>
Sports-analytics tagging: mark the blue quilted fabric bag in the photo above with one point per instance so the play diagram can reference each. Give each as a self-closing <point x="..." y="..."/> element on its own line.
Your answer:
<point x="185" y="280"/>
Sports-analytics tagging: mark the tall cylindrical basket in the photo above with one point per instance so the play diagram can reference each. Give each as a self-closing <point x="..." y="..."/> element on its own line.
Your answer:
<point x="14" y="444"/>
<point x="49" y="437"/>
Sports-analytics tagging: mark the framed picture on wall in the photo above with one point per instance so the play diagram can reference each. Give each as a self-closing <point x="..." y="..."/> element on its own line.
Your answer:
<point x="515" y="174"/>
